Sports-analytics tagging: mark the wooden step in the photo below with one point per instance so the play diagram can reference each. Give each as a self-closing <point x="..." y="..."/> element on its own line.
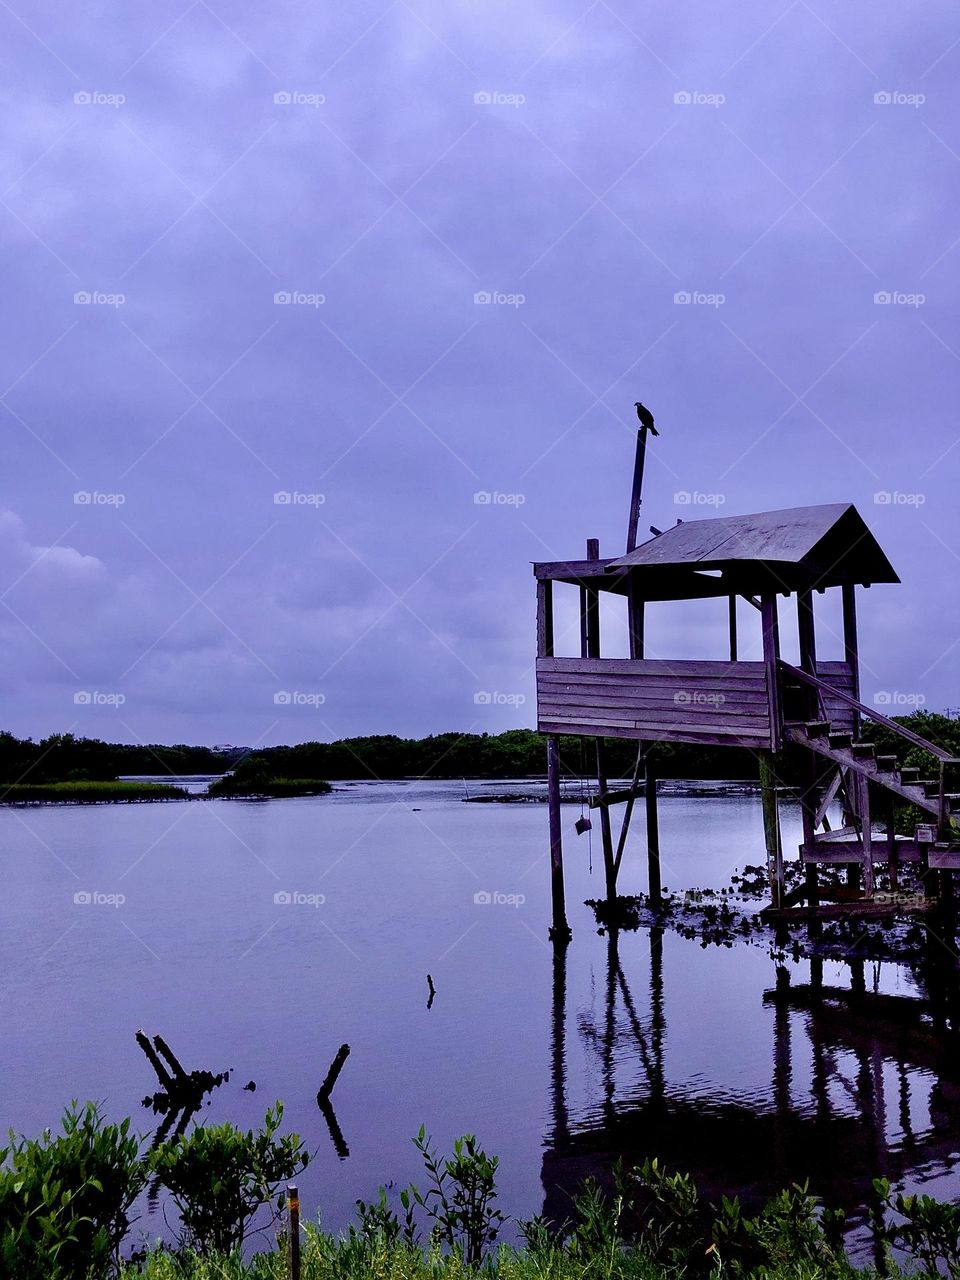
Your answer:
<point x="817" y="728"/>
<point x="909" y="777"/>
<point x="860" y="758"/>
<point x="887" y="764"/>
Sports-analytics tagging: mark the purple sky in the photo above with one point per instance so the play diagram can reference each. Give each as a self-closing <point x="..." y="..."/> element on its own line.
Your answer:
<point x="780" y="163"/>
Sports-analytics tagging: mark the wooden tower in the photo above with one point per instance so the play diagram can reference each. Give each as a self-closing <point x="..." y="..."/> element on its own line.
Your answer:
<point x="809" y="715"/>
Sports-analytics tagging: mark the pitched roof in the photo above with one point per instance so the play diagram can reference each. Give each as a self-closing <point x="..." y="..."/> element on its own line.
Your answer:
<point x="801" y="546"/>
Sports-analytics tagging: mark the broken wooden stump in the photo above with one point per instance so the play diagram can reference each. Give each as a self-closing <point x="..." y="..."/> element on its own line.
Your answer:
<point x="336" y="1066"/>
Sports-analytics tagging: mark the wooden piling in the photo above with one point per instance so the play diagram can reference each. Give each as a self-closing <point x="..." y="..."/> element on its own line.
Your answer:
<point x="560" y="930"/>
<point x="808" y="767"/>
<point x="653" y="836"/>
<point x="771" y="828"/>
<point x="293" y="1213"/>
<point x="771" y="656"/>
<point x="590" y="648"/>
<point x="732" y="626"/>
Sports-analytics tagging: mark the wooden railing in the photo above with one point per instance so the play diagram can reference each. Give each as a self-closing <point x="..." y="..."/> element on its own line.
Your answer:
<point x="943" y="756"/>
<point x="720" y="703"/>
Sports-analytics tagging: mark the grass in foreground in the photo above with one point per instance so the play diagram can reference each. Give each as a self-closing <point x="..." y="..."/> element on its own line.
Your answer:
<point x="66" y="1202"/>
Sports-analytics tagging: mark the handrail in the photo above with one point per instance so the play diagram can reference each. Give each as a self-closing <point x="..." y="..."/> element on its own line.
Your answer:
<point x="910" y="736"/>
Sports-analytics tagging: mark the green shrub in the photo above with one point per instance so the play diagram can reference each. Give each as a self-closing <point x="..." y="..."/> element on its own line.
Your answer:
<point x="220" y="1176"/>
<point x="65" y="1201"/>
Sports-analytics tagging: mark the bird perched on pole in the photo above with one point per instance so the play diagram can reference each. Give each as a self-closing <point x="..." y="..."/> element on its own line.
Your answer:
<point x="646" y="417"/>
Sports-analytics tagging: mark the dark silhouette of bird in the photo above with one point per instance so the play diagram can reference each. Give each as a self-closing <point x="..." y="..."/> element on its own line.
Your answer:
<point x="646" y="418"/>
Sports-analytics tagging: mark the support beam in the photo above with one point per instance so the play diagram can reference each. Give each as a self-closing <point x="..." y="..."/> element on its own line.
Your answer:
<point x="631" y="794"/>
<point x="808" y="797"/>
<point x="848" y="593"/>
<point x="866" y="836"/>
<point x="590" y="641"/>
<point x="635" y="617"/>
<point x="771" y="656"/>
<point x="653" y="836"/>
<point x="771" y="829"/>
<point x="820" y="817"/>
<point x="544" y="618"/>
<point x="560" y="931"/>
<point x="732" y="621"/>
<point x="893" y="861"/>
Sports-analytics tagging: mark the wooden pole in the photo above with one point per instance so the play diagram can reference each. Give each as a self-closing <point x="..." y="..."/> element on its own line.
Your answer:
<point x="558" y="1045"/>
<point x="590" y="630"/>
<point x="851" y="653"/>
<point x="635" y="616"/>
<point x="771" y="828"/>
<point x="636" y="493"/>
<point x="653" y="835"/>
<point x="560" y="930"/>
<point x="771" y="657"/>
<point x="808" y="795"/>
<point x="293" y="1207"/>
<point x="628" y="810"/>
<point x="732" y="621"/>
<point x="806" y="632"/>
<point x="544" y="618"/>
<point x="866" y="835"/>
<point x="893" y="862"/>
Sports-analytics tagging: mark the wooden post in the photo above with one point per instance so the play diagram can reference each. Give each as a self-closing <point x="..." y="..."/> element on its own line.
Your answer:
<point x="635" y="618"/>
<point x="558" y="1045"/>
<point x="808" y="794"/>
<point x="544" y="618"/>
<point x="807" y="632"/>
<point x="560" y="930"/>
<point x="636" y="493"/>
<point x="771" y="657"/>
<point x="653" y="835"/>
<point x="293" y="1207"/>
<point x="850" y="644"/>
<point x="771" y="828"/>
<point x="732" y="619"/>
<point x="893" y="861"/>
<point x="590" y="633"/>
<point x="866" y="835"/>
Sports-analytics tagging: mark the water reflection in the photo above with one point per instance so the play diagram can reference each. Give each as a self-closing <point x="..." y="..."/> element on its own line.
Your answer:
<point x="864" y="1083"/>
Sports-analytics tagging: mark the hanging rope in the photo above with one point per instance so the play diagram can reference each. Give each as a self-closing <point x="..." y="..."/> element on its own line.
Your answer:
<point x="583" y="822"/>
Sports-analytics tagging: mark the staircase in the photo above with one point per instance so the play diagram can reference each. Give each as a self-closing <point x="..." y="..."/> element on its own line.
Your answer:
<point x="936" y="844"/>
<point x="861" y="758"/>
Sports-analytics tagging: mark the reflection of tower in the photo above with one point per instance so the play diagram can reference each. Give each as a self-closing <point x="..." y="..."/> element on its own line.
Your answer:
<point x="837" y="1128"/>
<point x="558" y="1044"/>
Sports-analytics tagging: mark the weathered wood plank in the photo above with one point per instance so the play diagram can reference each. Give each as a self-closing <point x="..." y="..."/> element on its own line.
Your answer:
<point x="654" y="733"/>
<point x="653" y="684"/>
<point x="630" y="715"/>
<point x="745" y="698"/>
<point x="652" y="666"/>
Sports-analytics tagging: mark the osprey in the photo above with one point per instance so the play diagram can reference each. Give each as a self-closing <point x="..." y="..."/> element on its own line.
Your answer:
<point x="646" y="417"/>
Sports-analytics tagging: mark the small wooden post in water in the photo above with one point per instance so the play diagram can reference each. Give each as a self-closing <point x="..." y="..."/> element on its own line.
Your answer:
<point x="293" y="1207"/>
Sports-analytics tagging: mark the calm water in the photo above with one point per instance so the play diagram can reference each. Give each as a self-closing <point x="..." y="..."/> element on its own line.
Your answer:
<point x="653" y="1046"/>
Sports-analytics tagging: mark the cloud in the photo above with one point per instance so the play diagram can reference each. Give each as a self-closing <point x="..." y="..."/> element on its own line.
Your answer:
<point x="398" y="198"/>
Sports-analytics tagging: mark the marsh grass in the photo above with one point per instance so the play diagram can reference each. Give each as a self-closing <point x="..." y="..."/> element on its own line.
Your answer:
<point x="84" y="791"/>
